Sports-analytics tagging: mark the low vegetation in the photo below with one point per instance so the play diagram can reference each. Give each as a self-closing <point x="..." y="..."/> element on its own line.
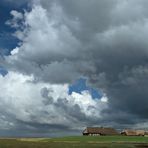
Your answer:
<point x="77" y="142"/>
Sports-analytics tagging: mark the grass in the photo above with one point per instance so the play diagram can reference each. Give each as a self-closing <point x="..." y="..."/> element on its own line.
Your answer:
<point x="103" y="139"/>
<point x="77" y="142"/>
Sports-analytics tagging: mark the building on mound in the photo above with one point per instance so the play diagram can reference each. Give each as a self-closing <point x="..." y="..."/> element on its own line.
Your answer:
<point x="99" y="131"/>
<point x="133" y="132"/>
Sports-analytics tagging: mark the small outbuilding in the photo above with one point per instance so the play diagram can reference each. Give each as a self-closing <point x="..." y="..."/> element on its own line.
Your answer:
<point x="99" y="131"/>
<point x="146" y="133"/>
<point x="133" y="132"/>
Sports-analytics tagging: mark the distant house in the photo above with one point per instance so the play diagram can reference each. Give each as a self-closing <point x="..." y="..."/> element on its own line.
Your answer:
<point x="146" y="133"/>
<point x="99" y="131"/>
<point x="133" y="132"/>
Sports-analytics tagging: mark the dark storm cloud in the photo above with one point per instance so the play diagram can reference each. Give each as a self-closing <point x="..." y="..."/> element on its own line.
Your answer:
<point x="122" y="57"/>
<point x="103" y="41"/>
<point x="94" y="16"/>
<point x="117" y="46"/>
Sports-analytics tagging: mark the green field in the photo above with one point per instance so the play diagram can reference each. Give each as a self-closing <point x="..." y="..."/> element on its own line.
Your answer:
<point x="77" y="142"/>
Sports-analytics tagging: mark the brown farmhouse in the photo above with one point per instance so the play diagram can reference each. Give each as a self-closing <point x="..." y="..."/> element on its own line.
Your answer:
<point x="133" y="132"/>
<point x="98" y="131"/>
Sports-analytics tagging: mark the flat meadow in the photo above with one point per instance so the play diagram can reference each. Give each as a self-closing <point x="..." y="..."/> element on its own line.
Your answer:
<point x="77" y="142"/>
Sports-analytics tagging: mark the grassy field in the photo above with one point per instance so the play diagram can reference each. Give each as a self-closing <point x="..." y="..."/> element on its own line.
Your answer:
<point x="77" y="142"/>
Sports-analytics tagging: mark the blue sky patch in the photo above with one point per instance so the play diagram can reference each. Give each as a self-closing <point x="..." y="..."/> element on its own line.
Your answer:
<point x="80" y="85"/>
<point x="7" y="40"/>
<point x="3" y="71"/>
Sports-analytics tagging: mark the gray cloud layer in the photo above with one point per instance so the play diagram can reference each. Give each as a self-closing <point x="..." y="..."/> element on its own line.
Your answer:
<point x="104" y="41"/>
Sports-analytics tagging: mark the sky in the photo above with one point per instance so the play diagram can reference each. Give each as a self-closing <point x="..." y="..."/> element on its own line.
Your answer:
<point x="66" y="65"/>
